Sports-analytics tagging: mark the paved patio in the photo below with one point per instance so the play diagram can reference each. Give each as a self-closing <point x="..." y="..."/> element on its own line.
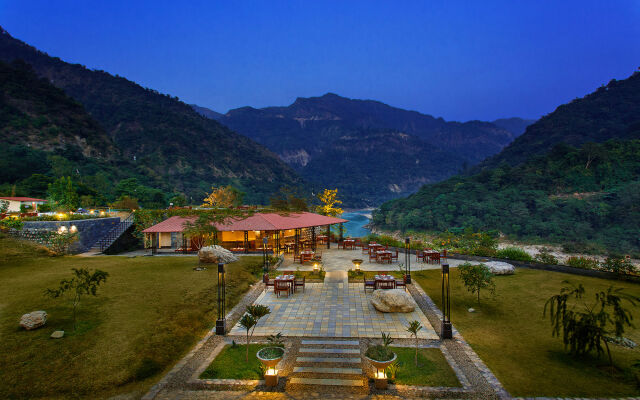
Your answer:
<point x="333" y="309"/>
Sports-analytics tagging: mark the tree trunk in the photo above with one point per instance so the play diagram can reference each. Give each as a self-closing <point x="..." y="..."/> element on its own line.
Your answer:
<point x="609" y="354"/>
<point x="247" y="346"/>
<point x="416" y="349"/>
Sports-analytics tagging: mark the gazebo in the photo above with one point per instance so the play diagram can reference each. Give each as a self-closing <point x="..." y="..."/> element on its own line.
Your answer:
<point x="290" y="231"/>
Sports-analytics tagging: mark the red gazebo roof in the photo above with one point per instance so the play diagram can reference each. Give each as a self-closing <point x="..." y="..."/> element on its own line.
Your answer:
<point x="255" y="222"/>
<point x="21" y="199"/>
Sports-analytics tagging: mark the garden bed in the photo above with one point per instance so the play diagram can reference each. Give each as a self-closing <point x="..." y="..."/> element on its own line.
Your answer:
<point x="432" y="370"/>
<point x="231" y="363"/>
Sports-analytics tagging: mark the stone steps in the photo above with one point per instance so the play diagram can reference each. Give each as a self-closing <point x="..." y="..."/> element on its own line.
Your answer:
<point x="335" y="365"/>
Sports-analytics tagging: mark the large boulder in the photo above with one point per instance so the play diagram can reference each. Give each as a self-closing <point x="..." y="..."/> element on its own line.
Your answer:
<point x="33" y="320"/>
<point x="215" y="255"/>
<point x="501" y="268"/>
<point x="392" y="300"/>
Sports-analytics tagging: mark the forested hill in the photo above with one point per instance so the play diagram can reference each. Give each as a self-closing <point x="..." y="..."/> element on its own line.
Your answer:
<point x="165" y="139"/>
<point x="367" y="149"/>
<point x="582" y="198"/>
<point x="612" y="111"/>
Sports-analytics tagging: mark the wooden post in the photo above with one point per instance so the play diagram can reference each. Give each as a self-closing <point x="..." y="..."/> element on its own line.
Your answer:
<point x="246" y="242"/>
<point x="328" y="236"/>
<point x="297" y="240"/>
<point x="313" y="238"/>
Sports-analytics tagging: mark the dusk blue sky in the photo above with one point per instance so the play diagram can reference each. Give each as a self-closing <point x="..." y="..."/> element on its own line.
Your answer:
<point x="458" y="60"/>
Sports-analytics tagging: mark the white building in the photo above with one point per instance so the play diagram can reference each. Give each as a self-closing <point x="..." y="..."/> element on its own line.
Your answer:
<point x="16" y="202"/>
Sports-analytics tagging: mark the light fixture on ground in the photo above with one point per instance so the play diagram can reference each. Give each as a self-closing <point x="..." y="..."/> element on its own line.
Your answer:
<point x="316" y="267"/>
<point x="271" y="377"/>
<point x="407" y="259"/>
<point x="221" y="322"/>
<point x="446" y="330"/>
<point x="380" y="379"/>
<point x="356" y="262"/>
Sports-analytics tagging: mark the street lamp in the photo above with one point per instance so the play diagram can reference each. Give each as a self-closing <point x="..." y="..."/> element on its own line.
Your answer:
<point x="221" y="322"/>
<point x="265" y="256"/>
<point x="407" y="258"/>
<point x="446" y="331"/>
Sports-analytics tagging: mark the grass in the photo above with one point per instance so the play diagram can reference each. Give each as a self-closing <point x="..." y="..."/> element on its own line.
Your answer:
<point x="510" y="335"/>
<point x="147" y="315"/>
<point x="231" y="363"/>
<point x="433" y="369"/>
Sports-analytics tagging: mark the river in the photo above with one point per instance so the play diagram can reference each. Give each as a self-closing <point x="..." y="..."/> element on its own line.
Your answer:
<point x="357" y="220"/>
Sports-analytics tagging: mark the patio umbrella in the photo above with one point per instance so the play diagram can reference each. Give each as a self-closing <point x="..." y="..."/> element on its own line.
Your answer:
<point x="216" y="254"/>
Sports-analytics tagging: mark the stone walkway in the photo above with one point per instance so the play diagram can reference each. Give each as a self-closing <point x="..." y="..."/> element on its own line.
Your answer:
<point x="333" y="309"/>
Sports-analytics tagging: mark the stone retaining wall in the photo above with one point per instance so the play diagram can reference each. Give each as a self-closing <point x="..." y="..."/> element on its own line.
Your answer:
<point x="89" y="230"/>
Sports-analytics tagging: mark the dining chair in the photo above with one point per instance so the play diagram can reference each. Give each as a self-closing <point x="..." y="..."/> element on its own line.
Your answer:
<point x="281" y="286"/>
<point x="267" y="282"/>
<point x="369" y="284"/>
<point x="402" y="283"/>
<point x="297" y="283"/>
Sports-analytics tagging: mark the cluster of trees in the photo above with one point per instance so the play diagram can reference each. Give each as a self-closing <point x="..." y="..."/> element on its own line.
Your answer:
<point x="585" y="198"/>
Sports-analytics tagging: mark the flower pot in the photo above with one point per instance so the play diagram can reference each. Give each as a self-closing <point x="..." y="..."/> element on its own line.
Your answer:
<point x="381" y="365"/>
<point x="270" y="362"/>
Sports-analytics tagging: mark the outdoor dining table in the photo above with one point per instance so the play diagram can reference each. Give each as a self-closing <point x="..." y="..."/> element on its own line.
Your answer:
<point x="428" y="253"/>
<point x="374" y="247"/>
<point x="385" y="282"/>
<point x="287" y="278"/>
<point x="381" y="253"/>
<point x="349" y="243"/>
<point x="321" y="238"/>
<point x="306" y="255"/>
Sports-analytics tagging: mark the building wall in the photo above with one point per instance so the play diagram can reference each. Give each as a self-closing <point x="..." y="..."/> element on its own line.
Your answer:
<point x="14" y="206"/>
<point x="89" y="230"/>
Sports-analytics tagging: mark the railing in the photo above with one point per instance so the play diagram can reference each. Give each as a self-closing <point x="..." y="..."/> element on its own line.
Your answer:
<point x="115" y="233"/>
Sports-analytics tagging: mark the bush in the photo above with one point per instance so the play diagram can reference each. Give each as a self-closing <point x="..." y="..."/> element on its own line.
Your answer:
<point x="514" y="253"/>
<point x="11" y="223"/>
<point x="379" y="353"/>
<point x="618" y="265"/>
<point x="544" y="256"/>
<point x="583" y="262"/>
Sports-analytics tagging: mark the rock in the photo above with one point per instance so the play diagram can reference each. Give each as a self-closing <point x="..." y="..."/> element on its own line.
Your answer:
<point x="216" y="254"/>
<point x="392" y="300"/>
<point x="33" y="320"/>
<point x="57" y="334"/>
<point x="472" y="309"/>
<point x="501" y="268"/>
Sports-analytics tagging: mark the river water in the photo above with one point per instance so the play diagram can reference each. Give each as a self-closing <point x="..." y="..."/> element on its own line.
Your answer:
<point x="357" y="220"/>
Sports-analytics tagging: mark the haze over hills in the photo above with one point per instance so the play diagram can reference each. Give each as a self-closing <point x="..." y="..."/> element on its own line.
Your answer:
<point x="586" y="198"/>
<point x="167" y="142"/>
<point x="367" y="149"/>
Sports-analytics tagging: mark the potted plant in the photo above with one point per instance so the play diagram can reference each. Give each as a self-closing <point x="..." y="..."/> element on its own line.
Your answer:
<point x="270" y="356"/>
<point x="381" y="356"/>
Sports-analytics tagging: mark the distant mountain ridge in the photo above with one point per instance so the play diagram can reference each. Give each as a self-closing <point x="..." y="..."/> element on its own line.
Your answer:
<point x="515" y="125"/>
<point x="169" y="142"/>
<point x="369" y="150"/>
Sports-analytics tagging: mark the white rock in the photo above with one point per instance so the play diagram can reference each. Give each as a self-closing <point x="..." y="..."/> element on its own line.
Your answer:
<point x="392" y="300"/>
<point x="33" y="320"/>
<point x="57" y="334"/>
<point x="216" y="254"/>
<point x="472" y="309"/>
<point x="501" y="268"/>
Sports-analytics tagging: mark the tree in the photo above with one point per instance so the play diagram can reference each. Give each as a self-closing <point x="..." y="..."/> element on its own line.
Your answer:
<point x="329" y="202"/>
<point x="83" y="282"/>
<point x="585" y="327"/>
<point x="224" y="197"/>
<point x="63" y="194"/>
<point x="126" y="203"/>
<point x="178" y="200"/>
<point x="477" y="277"/>
<point x="4" y="206"/>
<point x="250" y="319"/>
<point x="413" y="328"/>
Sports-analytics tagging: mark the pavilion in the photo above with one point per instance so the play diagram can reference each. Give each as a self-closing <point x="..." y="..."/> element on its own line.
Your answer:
<point x="282" y="231"/>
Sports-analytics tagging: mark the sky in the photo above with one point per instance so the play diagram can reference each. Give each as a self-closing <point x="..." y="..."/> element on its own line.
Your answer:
<point x="459" y="60"/>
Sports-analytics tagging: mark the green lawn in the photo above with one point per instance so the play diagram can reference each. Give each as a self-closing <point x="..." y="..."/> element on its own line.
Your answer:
<point x="510" y="335"/>
<point x="147" y="315"/>
<point x="432" y="370"/>
<point x="231" y="363"/>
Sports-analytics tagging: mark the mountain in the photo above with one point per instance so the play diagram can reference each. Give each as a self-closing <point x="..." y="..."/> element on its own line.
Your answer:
<point x="610" y="112"/>
<point x="206" y="112"/>
<point x="571" y="178"/>
<point x="168" y="142"/>
<point x="369" y="150"/>
<point x="515" y="125"/>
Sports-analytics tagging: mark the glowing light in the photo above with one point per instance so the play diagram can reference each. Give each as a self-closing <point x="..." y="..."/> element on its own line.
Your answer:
<point x="62" y="229"/>
<point x="271" y="372"/>
<point x="102" y="213"/>
<point x="315" y="267"/>
<point x="381" y="375"/>
<point x="73" y="229"/>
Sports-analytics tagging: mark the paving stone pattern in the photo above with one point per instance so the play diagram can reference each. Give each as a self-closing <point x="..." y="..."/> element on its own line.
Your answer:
<point x="333" y="309"/>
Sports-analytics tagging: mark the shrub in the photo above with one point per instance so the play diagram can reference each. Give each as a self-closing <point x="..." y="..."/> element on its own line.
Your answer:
<point x="381" y="352"/>
<point x="618" y="265"/>
<point x="11" y="223"/>
<point x="544" y="256"/>
<point x="514" y="253"/>
<point x="583" y="262"/>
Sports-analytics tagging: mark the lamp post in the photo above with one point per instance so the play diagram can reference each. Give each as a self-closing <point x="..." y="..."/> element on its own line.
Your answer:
<point x="446" y="331"/>
<point x="265" y="256"/>
<point x="221" y="322"/>
<point x="407" y="258"/>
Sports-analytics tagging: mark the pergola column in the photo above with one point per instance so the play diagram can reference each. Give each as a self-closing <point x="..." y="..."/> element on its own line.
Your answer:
<point x="246" y="242"/>
<point x="296" y="246"/>
<point x="328" y="236"/>
<point x="341" y="231"/>
<point x="313" y="238"/>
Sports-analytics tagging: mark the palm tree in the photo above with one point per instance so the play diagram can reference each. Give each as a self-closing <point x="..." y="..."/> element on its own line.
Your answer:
<point x="413" y="328"/>
<point x="250" y="320"/>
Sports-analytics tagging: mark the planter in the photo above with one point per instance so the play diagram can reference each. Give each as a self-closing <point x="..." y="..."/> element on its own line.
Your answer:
<point x="271" y="376"/>
<point x="380" y="378"/>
